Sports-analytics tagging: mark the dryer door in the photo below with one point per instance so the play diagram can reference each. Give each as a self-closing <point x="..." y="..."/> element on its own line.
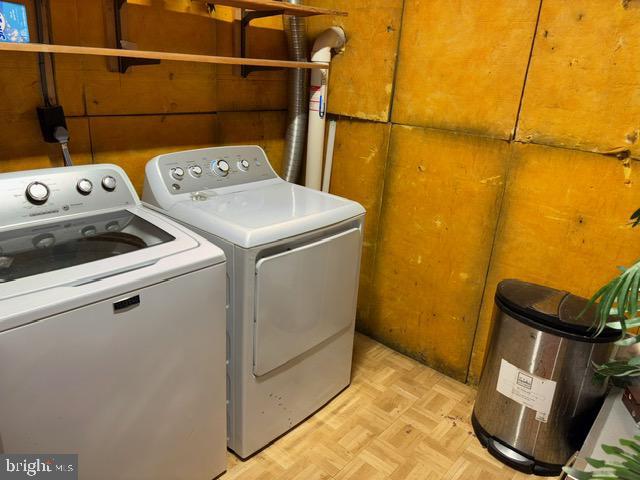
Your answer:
<point x="303" y="297"/>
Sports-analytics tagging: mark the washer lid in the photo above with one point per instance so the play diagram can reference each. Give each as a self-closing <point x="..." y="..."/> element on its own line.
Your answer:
<point x="266" y="214"/>
<point x="550" y="310"/>
<point x="85" y="249"/>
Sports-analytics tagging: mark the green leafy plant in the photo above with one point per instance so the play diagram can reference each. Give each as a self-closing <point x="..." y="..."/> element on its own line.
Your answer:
<point x="616" y="307"/>
<point x="627" y="468"/>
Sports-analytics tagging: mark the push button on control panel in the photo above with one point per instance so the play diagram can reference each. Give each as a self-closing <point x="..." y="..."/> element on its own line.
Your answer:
<point x="220" y="167"/>
<point x="37" y="193"/>
<point x="177" y="173"/>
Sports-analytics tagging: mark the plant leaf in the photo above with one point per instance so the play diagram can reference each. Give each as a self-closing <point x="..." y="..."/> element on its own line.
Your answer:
<point x="631" y="340"/>
<point x="629" y="323"/>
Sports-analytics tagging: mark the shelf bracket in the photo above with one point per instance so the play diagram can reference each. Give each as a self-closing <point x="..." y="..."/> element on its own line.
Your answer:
<point x="124" y="62"/>
<point x="246" y="19"/>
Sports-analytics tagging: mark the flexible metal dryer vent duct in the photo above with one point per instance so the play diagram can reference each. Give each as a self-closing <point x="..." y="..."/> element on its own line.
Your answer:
<point x="296" y="32"/>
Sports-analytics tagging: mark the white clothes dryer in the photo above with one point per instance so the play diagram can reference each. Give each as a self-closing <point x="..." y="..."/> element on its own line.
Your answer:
<point x="293" y="257"/>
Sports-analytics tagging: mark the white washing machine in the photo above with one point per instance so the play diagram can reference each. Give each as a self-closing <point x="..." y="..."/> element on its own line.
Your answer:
<point x="112" y="327"/>
<point x="293" y="257"/>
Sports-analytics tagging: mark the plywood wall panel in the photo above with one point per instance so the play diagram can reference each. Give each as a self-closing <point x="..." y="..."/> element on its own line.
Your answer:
<point x="583" y="88"/>
<point x="441" y="202"/>
<point x="131" y="142"/>
<point x="462" y="64"/>
<point x="361" y="81"/>
<point x="563" y="224"/>
<point x="359" y="164"/>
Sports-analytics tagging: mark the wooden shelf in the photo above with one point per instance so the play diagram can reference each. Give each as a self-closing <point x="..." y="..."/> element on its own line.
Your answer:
<point x="176" y="57"/>
<point x="276" y="6"/>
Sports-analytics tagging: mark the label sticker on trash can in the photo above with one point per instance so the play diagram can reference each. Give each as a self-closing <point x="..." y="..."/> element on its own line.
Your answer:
<point x="526" y="389"/>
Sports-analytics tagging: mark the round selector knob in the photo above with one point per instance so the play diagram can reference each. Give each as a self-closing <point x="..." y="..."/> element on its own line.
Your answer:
<point x="195" y="170"/>
<point x="222" y="168"/>
<point x="177" y="173"/>
<point x="37" y="193"/>
<point x="243" y="165"/>
<point x="46" y="240"/>
<point x="89" y="231"/>
<point x="112" y="226"/>
<point x="84" y="186"/>
<point x="109" y="183"/>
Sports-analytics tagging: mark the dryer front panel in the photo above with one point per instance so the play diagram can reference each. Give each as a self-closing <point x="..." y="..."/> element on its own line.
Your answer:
<point x="303" y="297"/>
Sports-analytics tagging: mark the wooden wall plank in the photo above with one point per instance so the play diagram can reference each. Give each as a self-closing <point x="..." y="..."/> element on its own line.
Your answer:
<point x="440" y="207"/>
<point x="171" y="87"/>
<point x="462" y="64"/>
<point x="23" y="147"/>
<point x="583" y="88"/>
<point x="266" y="129"/>
<point x="260" y="90"/>
<point x="563" y="224"/>
<point x="131" y="142"/>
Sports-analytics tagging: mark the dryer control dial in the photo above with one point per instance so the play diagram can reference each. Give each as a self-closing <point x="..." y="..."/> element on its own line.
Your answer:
<point x="243" y="165"/>
<point x="195" y="170"/>
<point x="177" y="173"/>
<point x="37" y="193"/>
<point x="221" y="167"/>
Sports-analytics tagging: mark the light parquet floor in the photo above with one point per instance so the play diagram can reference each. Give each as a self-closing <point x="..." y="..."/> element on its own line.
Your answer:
<point x="399" y="420"/>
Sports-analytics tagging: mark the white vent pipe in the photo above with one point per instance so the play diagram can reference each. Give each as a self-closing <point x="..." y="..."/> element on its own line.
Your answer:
<point x="331" y="39"/>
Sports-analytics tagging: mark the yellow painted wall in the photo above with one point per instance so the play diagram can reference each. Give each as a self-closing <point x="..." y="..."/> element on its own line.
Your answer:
<point x="481" y="136"/>
<point x="500" y="114"/>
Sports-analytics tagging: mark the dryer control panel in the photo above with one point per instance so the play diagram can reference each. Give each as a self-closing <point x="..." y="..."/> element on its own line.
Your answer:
<point x="209" y="168"/>
<point x="50" y="193"/>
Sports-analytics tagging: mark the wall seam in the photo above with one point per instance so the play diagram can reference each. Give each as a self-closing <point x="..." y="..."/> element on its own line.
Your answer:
<point x="396" y="64"/>
<point x="496" y="229"/>
<point x="93" y="157"/>
<point x="383" y="186"/>
<point x="526" y="73"/>
<point x="169" y="114"/>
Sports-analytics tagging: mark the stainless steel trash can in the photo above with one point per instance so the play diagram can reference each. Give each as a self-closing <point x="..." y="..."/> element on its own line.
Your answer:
<point x="537" y="396"/>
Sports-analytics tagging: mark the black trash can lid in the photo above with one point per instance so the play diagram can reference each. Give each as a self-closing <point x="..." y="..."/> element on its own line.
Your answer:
<point x="550" y="310"/>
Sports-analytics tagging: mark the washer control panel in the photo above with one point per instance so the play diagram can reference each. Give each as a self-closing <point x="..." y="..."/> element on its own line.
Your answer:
<point x="56" y="192"/>
<point x="210" y="168"/>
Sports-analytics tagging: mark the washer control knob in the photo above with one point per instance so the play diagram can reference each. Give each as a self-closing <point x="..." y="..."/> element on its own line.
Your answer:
<point x="46" y="240"/>
<point x="109" y="183"/>
<point x="243" y="165"/>
<point x="37" y="193"/>
<point x="89" y="231"/>
<point x="112" y="226"/>
<point x="177" y="173"/>
<point x="222" y="168"/>
<point x="84" y="186"/>
<point x="196" y="170"/>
